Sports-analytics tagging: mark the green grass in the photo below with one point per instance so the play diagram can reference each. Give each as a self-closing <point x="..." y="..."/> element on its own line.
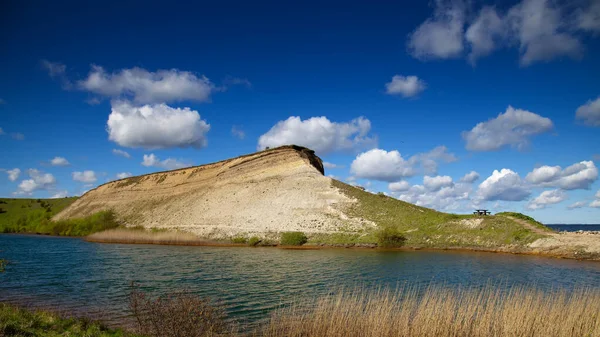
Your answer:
<point x="424" y="227"/>
<point x="527" y="218"/>
<point x="293" y="238"/>
<point x="19" y="322"/>
<point x="33" y="216"/>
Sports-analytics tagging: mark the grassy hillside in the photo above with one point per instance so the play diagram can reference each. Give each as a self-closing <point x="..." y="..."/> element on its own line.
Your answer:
<point x="20" y="213"/>
<point x="424" y="227"/>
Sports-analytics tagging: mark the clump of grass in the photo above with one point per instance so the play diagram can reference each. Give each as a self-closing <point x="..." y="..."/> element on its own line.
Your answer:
<point x="254" y="241"/>
<point x="179" y="314"/>
<point x="293" y="238"/>
<point x="527" y="218"/>
<point x="390" y="238"/>
<point x="239" y="240"/>
<point x="441" y="312"/>
<point x="41" y="224"/>
<point x="124" y="235"/>
<point x="15" y="321"/>
<point x="3" y="264"/>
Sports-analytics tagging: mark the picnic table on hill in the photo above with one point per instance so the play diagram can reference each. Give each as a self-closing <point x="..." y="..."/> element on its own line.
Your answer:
<point x="482" y="212"/>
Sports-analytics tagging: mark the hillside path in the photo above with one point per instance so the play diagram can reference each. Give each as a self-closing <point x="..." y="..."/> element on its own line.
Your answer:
<point x="528" y="225"/>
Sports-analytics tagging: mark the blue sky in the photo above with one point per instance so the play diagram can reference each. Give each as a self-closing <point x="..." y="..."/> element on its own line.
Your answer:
<point x="401" y="98"/>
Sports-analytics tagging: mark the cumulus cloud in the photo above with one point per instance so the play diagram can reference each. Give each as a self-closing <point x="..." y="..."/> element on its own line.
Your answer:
<point x="589" y="113"/>
<point x="390" y="166"/>
<point x="87" y="176"/>
<point x="504" y="185"/>
<point x="436" y="183"/>
<point x="13" y="174"/>
<point x="38" y="181"/>
<point x="405" y="86"/>
<point x="577" y="176"/>
<point x="54" y="68"/>
<point x="578" y="204"/>
<point x="124" y="175"/>
<point x="449" y="197"/>
<point x="595" y="203"/>
<point x="170" y="164"/>
<point x="547" y="198"/>
<point x="237" y="132"/>
<point x="144" y="87"/>
<point x="319" y="134"/>
<point x="470" y="177"/>
<point x="441" y="36"/>
<point x="542" y="30"/>
<point x="399" y="186"/>
<point x="328" y="165"/>
<point x="59" y="161"/>
<point x="156" y="126"/>
<point x="59" y="194"/>
<point x="121" y="153"/>
<point x="514" y="127"/>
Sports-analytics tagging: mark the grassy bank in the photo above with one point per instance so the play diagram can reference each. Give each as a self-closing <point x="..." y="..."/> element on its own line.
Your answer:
<point x="20" y="322"/>
<point x="27" y="215"/>
<point x="424" y="227"/>
<point x="435" y="311"/>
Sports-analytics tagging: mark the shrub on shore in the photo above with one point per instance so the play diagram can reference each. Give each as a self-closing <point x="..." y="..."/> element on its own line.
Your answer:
<point x="254" y="241"/>
<point x="390" y="238"/>
<point x="239" y="240"/>
<point x="293" y="238"/>
<point x="39" y="223"/>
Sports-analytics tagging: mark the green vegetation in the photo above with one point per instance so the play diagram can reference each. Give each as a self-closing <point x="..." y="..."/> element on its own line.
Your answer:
<point x="293" y="239"/>
<point x="389" y="237"/>
<point x="3" y="264"/>
<point x="19" y="322"/>
<point x="524" y="217"/>
<point x="33" y="216"/>
<point x="239" y="239"/>
<point x="30" y="213"/>
<point x="254" y="241"/>
<point x="424" y="227"/>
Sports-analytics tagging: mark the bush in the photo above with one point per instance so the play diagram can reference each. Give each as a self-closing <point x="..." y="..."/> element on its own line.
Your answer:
<point x="176" y="314"/>
<point x="239" y="239"/>
<point x="254" y="241"/>
<point x="293" y="238"/>
<point x="390" y="238"/>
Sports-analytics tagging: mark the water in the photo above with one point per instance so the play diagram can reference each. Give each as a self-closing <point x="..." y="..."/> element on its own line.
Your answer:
<point x="574" y="228"/>
<point x="90" y="278"/>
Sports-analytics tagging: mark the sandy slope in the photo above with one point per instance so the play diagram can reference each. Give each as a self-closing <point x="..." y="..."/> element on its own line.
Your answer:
<point x="282" y="189"/>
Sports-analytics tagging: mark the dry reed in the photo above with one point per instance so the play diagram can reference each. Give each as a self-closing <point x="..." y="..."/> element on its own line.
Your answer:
<point x="442" y="312"/>
<point x="121" y="235"/>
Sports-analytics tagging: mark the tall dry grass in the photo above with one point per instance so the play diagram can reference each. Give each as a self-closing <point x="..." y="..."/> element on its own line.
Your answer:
<point x="442" y="312"/>
<point x="122" y="235"/>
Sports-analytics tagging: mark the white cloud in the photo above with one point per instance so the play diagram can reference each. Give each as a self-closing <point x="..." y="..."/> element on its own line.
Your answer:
<point x="85" y="176"/>
<point x="595" y="203"/>
<point x="169" y="163"/>
<point x="485" y="33"/>
<point x="470" y="177"/>
<point x="54" y="68"/>
<point x="577" y="176"/>
<point x="156" y="126"/>
<point x="319" y="134"/>
<point x="405" y="86"/>
<point x="589" y="113"/>
<point x="440" y="37"/>
<point x="399" y="186"/>
<point x="598" y="194"/>
<point x="328" y="165"/>
<point x="59" y="161"/>
<point x="59" y="194"/>
<point x="547" y="198"/>
<point x="143" y="86"/>
<point x="436" y="183"/>
<point x="588" y="19"/>
<point x="390" y="166"/>
<point x="13" y="174"/>
<point x="503" y="185"/>
<point x="38" y="181"/>
<point x="578" y="204"/>
<point x="237" y="132"/>
<point x="121" y="153"/>
<point x="513" y="127"/>
<point x="124" y="175"/>
<point x="450" y="197"/>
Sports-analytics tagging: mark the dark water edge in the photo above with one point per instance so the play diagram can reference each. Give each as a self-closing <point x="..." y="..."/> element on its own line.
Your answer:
<point x="574" y="227"/>
<point x="86" y="278"/>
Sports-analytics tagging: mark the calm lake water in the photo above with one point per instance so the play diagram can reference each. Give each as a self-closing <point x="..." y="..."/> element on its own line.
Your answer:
<point x="574" y="228"/>
<point x="90" y="278"/>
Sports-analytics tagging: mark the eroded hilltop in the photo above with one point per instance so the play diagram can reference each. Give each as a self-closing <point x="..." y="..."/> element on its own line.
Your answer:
<point x="284" y="189"/>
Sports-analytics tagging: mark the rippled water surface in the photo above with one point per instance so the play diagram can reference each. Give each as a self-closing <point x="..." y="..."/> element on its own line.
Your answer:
<point x="79" y="276"/>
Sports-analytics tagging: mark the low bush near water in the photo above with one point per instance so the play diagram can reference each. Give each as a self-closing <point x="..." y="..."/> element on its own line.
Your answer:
<point x="390" y="238"/>
<point x="39" y="222"/>
<point x="293" y="239"/>
<point x="254" y="241"/>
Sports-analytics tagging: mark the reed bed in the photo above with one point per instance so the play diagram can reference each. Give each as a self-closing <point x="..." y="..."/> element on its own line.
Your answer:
<point x="122" y="235"/>
<point x="441" y="312"/>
